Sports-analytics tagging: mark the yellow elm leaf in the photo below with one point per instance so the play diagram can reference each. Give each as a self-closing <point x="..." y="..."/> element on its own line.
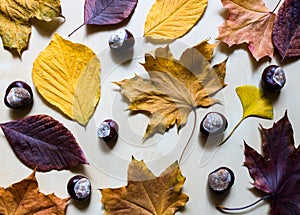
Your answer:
<point x="254" y="102"/>
<point x="145" y="193"/>
<point x="15" y="15"/>
<point x="174" y="89"/>
<point x="249" y="22"/>
<point x="67" y="75"/>
<point x="169" y="19"/>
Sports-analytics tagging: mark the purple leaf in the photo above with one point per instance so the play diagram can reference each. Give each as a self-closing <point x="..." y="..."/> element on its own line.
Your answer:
<point x="42" y="143"/>
<point x="286" y="31"/>
<point x="107" y="12"/>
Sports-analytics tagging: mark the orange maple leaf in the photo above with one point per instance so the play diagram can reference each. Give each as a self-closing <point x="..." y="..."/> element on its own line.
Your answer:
<point x="24" y="198"/>
<point x="248" y="22"/>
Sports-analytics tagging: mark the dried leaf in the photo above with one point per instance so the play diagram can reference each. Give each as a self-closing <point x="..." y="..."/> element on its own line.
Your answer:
<point x="15" y="16"/>
<point x="254" y="103"/>
<point x="42" y="143"/>
<point x="24" y="198"/>
<point x="277" y="171"/>
<point x="286" y="31"/>
<point x="67" y="75"/>
<point x="145" y="193"/>
<point x="174" y="89"/>
<point x="249" y="22"/>
<point x="169" y="19"/>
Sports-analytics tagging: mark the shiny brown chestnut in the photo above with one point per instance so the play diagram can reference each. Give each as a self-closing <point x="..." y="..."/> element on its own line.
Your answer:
<point x="221" y="180"/>
<point x="18" y="95"/>
<point x="108" y="131"/>
<point x="79" y="188"/>
<point x="213" y="123"/>
<point x="121" y="41"/>
<point x="273" y="78"/>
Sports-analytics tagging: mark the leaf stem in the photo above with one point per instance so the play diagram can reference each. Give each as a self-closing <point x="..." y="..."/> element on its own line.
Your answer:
<point x="276" y="6"/>
<point x="224" y="209"/>
<point x="76" y="29"/>
<point x="192" y="134"/>
<point x="229" y="135"/>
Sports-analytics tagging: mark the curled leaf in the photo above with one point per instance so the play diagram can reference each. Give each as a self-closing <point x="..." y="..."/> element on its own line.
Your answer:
<point x="249" y="22"/>
<point x="169" y="19"/>
<point x="24" y="198"/>
<point x="67" y="75"/>
<point x="254" y="103"/>
<point x="42" y="143"/>
<point x="175" y="87"/>
<point x="286" y="31"/>
<point x="145" y="193"/>
<point x="15" y="16"/>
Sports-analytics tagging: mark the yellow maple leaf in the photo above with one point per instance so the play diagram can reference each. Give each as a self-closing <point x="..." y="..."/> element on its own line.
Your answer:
<point x="169" y="19"/>
<point x="15" y="26"/>
<point x="249" y="22"/>
<point x="145" y="193"/>
<point x="175" y="87"/>
<point x="24" y="198"/>
<point x="67" y="75"/>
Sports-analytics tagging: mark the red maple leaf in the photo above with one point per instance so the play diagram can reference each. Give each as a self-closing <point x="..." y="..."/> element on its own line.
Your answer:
<point x="277" y="172"/>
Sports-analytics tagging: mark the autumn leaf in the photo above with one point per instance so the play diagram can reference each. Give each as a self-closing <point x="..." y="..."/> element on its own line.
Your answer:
<point x="248" y="22"/>
<point x="15" y="17"/>
<point x="169" y="19"/>
<point x="145" y="193"/>
<point x="107" y="12"/>
<point x="175" y="87"/>
<point x="254" y="103"/>
<point x="67" y="75"/>
<point x="24" y="198"/>
<point x="286" y="31"/>
<point x="276" y="172"/>
<point x="42" y="143"/>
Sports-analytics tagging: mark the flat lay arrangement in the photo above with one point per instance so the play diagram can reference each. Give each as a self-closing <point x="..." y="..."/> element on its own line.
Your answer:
<point x="150" y="107"/>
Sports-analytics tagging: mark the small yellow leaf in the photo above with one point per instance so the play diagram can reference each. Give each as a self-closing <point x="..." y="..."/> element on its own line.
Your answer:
<point x="145" y="193"/>
<point x="169" y="19"/>
<point x="67" y="75"/>
<point x="254" y="102"/>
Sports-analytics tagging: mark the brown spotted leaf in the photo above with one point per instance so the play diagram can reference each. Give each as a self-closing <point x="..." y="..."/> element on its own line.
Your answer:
<point x="286" y="31"/>
<point x="42" y="143"/>
<point x="145" y="193"/>
<point x="175" y="87"/>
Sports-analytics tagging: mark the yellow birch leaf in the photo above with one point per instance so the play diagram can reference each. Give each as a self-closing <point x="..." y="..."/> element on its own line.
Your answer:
<point x="145" y="193"/>
<point x="15" y="15"/>
<point x="67" y="75"/>
<point x="169" y="19"/>
<point x="175" y="87"/>
<point x="254" y="102"/>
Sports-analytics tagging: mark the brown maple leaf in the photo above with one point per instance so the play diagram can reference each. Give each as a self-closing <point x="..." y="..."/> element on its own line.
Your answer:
<point x="145" y="193"/>
<point x="175" y="86"/>
<point x="248" y="22"/>
<point x="24" y="198"/>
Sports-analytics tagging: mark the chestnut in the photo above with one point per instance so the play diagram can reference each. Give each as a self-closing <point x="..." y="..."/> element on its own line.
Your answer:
<point x="79" y="188"/>
<point x="273" y="78"/>
<point x="221" y="180"/>
<point x="213" y="123"/>
<point x="121" y="41"/>
<point x="108" y="131"/>
<point x="18" y="95"/>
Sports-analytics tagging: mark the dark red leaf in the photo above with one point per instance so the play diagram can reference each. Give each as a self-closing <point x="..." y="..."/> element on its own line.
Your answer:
<point x="286" y="31"/>
<point x="42" y="143"/>
<point x="277" y="172"/>
<point x="107" y="12"/>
